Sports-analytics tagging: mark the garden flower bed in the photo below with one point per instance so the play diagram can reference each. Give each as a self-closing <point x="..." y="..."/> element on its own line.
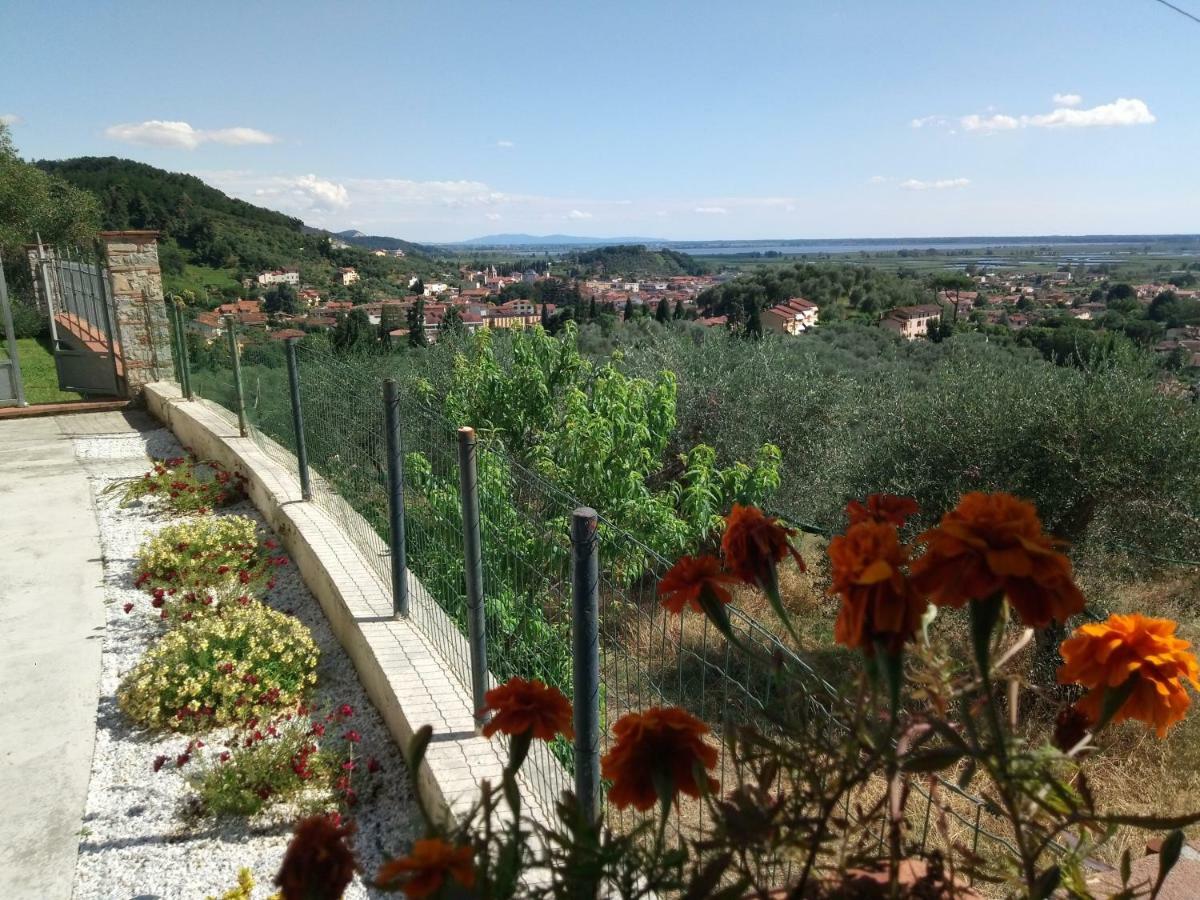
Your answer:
<point x="146" y="830"/>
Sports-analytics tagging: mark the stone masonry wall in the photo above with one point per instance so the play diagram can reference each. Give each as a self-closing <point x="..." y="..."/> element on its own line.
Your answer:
<point x="142" y="327"/>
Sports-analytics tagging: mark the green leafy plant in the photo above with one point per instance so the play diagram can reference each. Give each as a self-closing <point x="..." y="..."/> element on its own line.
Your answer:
<point x="196" y="567"/>
<point x="315" y="763"/>
<point x="242" y="663"/>
<point x="185" y="485"/>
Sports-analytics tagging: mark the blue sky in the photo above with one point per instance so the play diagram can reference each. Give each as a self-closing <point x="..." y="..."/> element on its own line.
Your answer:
<point x="442" y="121"/>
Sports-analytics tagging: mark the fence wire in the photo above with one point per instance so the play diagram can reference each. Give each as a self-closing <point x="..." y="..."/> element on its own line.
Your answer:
<point x="647" y="657"/>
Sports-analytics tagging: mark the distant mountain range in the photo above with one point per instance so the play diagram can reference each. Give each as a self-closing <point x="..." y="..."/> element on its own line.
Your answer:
<point x="550" y="240"/>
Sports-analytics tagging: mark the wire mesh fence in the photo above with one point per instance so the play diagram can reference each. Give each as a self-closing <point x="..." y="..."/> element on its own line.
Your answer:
<point x="647" y="657"/>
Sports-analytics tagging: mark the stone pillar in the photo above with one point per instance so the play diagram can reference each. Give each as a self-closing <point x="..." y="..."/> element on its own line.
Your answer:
<point x="142" y="328"/>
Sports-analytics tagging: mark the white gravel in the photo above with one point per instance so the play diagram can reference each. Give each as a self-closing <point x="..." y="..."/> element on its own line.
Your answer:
<point x="136" y="843"/>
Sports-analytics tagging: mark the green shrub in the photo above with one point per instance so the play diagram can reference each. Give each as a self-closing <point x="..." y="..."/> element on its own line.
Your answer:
<point x="245" y="662"/>
<point x="312" y="763"/>
<point x="27" y="321"/>
<point x="185" y="485"/>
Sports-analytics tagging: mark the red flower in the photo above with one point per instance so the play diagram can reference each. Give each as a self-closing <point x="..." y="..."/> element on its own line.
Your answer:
<point x="886" y="508"/>
<point x="317" y="865"/>
<point x="655" y="748"/>
<point x="373" y="765"/>
<point x="127" y="607"/>
<point x="519" y="707"/>
<point x="221" y="570"/>
<point x="345" y="710"/>
<point x="317" y="729"/>
<point x="878" y="603"/>
<point x="353" y="736"/>
<point x="754" y="544"/>
<point x="182" y="760"/>
<point x="244" y="576"/>
<point x="159" y="762"/>
<point x="687" y="581"/>
<point x="429" y="865"/>
<point x="995" y="542"/>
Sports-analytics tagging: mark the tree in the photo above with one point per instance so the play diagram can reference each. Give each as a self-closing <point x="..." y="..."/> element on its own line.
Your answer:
<point x="1121" y="292"/>
<point x="281" y="298"/>
<point x="662" y="314"/>
<point x="452" y="321"/>
<point x="592" y="312"/>
<point x="628" y="313"/>
<point x="679" y="311"/>
<point x="416" y="324"/>
<point x="417" y="287"/>
<point x="545" y="317"/>
<point x="391" y="317"/>
<point x="353" y="333"/>
<point x="34" y="203"/>
<point x="754" y="325"/>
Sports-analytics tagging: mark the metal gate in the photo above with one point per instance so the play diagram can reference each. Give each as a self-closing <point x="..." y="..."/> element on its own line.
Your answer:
<point x="79" y="302"/>
<point x="12" y="392"/>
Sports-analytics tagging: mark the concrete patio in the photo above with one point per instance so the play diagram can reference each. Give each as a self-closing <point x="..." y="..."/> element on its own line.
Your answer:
<point x="51" y="635"/>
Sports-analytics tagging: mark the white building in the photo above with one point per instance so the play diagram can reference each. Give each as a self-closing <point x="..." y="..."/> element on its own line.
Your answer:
<point x="279" y="276"/>
<point x="346" y="276"/>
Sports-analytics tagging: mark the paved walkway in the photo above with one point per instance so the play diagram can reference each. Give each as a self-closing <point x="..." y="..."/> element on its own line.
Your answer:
<point x="51" y="633"/>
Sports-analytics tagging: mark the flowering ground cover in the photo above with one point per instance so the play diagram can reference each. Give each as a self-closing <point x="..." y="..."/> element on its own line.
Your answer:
<point x="178" y="812"/>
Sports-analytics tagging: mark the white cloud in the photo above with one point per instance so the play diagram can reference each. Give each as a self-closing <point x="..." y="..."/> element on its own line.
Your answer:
<point x="161" y="133"/>
<point x="323" y="192"/>
<point x="877" y="179"/>
<point x="506" y="145"/>
<point x="998" y="122"/>
<point x="711" y="210"/>
<point x="927" y="120"/>
<point x="915" y="184"/>
<point x="10" y="119"/>
<point x="492" y="217"/>
<point x="578" y="214"/>
<point x="302" y="194"/>
<point x="1120" y="113"/>
<point x="1067" y="99"/>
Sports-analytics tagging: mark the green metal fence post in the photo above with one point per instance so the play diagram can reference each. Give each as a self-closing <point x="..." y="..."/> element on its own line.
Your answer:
<point x="185" y="364"/>
<point x="585" y="648"/>
<point x="395" y="476"/>
<point x="239" y="398"/>
<point x="473" y="558"/>
<point x="293" y="370"/>
<point x="176" y="354"/>
<point x="6" y="324"/>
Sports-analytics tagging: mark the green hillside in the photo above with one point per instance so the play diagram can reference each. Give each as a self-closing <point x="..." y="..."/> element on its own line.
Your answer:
<point x="634" y="260"/>
<point x="840" y="290"/>
<point x="210" y="241"/>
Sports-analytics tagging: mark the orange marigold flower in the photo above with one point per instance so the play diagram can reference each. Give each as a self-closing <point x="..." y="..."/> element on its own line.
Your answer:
<point x="878" y="603"/>
<point x="428" y="866"/>
<point x="882" y="508"/>
<point x="317" y="864"/>
<point x="995" y="542"/>
<point x="657" y="746"/>
<point x="754" y="544"/>
<point x="519" y="706"/>
<point x="1103" y="655"/>
<point x="686" y="581"/>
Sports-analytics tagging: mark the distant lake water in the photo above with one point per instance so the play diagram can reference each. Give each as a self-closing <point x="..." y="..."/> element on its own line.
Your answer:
<point x="1107" y="247"/>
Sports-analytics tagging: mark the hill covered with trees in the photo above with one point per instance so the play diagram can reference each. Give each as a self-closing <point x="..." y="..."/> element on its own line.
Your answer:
<point x="210" y="241"/>
<point x="840" y="291"/>
<point x="634" y="260"/>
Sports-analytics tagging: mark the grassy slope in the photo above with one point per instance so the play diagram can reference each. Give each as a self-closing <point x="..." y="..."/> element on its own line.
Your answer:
<point x="39" y="374"/>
